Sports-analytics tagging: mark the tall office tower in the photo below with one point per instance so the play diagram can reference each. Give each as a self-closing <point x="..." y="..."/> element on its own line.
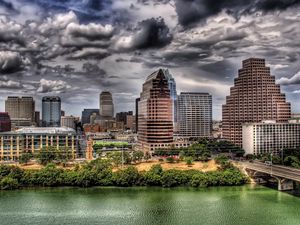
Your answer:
<point x="86" y="114"/>
<point x="21" y="110"/>
<point x="20" y="107"/>
<point x="155" y="118"/>
<point x="194" y="114"/>
<point x="137" y="100"/>
<point x="106" y="105"/>
<point x="51" y="111"/>
<point x="5" y="122"/>
<point x="254" y="97"/>
<point x="173" y="95"/>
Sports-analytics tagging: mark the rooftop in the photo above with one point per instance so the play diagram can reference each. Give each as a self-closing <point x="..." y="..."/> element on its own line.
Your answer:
<point x="43" y="130"/>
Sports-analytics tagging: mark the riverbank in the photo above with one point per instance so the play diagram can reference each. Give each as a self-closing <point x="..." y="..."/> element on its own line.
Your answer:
<point x="100" y="173"/>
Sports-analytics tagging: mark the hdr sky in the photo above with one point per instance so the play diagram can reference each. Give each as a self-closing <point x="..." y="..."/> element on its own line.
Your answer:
<point x="78" y="48"/>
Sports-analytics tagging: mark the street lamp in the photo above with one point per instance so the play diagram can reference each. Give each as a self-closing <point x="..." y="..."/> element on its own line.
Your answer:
<point x="271" y="163"/>
<point x="122" y="156"/>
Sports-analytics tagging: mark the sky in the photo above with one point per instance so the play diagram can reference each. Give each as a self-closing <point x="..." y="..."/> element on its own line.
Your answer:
<point x="77" y="48"/>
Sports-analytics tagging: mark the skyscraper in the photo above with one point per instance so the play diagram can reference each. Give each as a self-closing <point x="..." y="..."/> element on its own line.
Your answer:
<point x="21" y="110"/>
<point x="51" y="111"/>
<point x="155" y="118"/>
<point x="194" y="114"/>
<point x="106" y="105"/>
<point x="137" y="100"/>
<point x="173" y="94"/>
<point x="254" y="97"/>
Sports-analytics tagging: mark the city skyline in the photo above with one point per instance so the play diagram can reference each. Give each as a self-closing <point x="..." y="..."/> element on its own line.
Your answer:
<point x="77" y="49"/>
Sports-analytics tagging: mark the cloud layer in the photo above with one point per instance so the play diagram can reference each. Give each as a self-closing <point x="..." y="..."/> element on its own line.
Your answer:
<point x="78" y="48"/>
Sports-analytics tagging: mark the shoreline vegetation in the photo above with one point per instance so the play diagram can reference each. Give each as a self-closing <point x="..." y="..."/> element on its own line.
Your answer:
<point x="100" y="172"/>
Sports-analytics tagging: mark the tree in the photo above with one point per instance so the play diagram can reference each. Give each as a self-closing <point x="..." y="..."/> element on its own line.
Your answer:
<point x="181" y="155"/>
<point x="63" y="154"/>
<point x="127" y="177"/>
<point x="25" y="158"/>
<point x="292" y="161"/>
<point x="223" y="161"/>
<point x="137" y="156"/>
<point x="147" y="156"/>
<point x="250" y="157"/>
<point x="46" y="155"/>
<point x="276" y="159"/>
<point x="153" y="176"/>
<point x="189" y="161"/>
<point x="116" y="158"/>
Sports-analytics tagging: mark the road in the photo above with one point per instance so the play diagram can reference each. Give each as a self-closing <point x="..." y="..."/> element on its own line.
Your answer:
<point x="279" y="171"/>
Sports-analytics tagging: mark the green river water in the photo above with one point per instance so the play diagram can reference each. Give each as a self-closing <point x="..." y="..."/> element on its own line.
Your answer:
<point x="251" y="205"/>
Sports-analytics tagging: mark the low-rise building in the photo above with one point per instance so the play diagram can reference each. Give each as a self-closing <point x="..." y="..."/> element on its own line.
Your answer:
<point x="270" y="137"/>
<point x="69" y="121"/>
<point x="32" y="139"/>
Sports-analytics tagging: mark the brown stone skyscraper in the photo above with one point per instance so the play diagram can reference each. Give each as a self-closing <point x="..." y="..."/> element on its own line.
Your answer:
<point x="254" y="97"/>
<point x="155" y="118"/>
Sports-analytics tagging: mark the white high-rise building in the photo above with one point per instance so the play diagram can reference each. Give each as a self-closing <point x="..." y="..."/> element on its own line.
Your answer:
<point x="270" y="137"/>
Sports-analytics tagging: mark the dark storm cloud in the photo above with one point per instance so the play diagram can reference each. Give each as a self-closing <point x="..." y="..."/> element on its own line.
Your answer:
<point x="150" y="33"/>
<point x="268" y="5"/>
<point x="8" y="6"/>
<point x="191" y="11"/>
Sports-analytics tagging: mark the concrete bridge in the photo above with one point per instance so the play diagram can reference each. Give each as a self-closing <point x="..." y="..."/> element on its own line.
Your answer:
<point x="285" y="176"/>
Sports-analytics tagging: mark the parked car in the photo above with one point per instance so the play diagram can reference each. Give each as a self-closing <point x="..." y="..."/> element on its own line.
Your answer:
<point x="268" y="163"/>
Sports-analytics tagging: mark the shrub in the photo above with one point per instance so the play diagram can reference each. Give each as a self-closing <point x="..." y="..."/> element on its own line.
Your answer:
<point x="127" y="177"/>
<point x="8" y="183"/>
<point x="170" y="160"/>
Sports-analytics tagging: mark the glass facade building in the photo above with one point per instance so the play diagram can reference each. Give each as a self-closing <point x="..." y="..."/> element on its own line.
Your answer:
<point x="51" y="111"/>
<point x="173" y="94"/>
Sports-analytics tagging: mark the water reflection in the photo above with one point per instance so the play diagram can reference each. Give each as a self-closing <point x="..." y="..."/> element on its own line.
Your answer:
<point x="245" y="205"/>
